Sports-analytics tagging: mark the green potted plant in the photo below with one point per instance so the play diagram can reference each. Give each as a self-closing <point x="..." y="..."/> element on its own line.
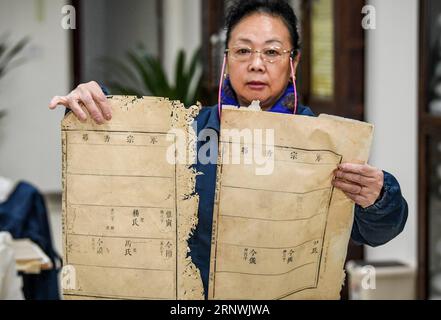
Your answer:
<point x="143" y="74"/>
<point x="10" y="57"/>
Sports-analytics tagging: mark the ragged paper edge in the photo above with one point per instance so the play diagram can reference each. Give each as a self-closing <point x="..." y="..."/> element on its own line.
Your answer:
<point x="190" y="281"/>
<point x="189" y="284"/>
<point x="69" y="282"/>
<point x="66" y="271"/>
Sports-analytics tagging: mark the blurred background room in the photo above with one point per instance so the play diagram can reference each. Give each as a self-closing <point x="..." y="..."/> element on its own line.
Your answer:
<point x="373" y="60"/>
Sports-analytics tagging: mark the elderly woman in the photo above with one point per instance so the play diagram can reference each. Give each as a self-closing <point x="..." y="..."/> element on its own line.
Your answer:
<point x="261" y="57"/>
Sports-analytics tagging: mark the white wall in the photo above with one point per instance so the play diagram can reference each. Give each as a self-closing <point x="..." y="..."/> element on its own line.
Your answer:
<point x="182" y="29"/>
<point x="391" y="91"/>
<point x="30" y="144"/>
<point x="30" y="134"/>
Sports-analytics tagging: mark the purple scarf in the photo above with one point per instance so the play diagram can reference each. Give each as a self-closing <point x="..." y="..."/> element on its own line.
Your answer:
<point x="284" y="105"/>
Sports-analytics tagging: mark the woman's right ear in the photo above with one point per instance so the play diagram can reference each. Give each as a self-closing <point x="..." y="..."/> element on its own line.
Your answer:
<point x="226" y="66"/>
<point x="296" y="56"/>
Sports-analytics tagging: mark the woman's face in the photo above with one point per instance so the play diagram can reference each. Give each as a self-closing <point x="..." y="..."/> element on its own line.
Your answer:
<point x="256" y="79"/>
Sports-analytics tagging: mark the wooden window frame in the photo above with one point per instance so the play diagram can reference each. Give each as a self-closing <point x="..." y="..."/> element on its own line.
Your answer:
<point x="428" y="126"/>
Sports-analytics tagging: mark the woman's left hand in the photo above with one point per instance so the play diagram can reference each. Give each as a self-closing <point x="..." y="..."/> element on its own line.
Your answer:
<point x="361" y="183"/>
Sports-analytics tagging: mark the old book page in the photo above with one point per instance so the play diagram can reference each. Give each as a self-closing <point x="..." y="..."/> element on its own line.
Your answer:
<point x="280" y="229"/>
<point x="128" y="210"/>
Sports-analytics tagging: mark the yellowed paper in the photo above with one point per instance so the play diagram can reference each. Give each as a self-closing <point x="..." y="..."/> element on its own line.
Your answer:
<point x="127" y="211"/>
<point x="283" y="235"/>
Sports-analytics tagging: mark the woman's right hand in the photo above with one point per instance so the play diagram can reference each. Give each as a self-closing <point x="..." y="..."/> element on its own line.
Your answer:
<point x="92" y="97"/>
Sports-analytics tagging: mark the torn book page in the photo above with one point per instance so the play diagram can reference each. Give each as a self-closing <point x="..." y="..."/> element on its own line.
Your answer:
<point x="128" y="210"/>
<point x="280" y="229"/>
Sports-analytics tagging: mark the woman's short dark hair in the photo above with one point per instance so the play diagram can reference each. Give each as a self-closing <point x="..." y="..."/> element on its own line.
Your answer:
<point x="241" y="9"/>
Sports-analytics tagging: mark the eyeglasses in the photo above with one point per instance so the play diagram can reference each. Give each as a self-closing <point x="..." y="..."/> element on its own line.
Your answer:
<point x="270" y="54"/>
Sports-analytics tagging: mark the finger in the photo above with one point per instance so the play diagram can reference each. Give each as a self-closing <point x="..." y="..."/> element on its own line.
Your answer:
<point x="355" y="178"/>
<point x="101" y="100"/>
<point x="347" y="186"/>
<point x="358" y="199"/>
<point x="58" y="100"/>
<point x="361" y="169"/>
<point x="95" y="112"/>
<point x="76" y="108"/>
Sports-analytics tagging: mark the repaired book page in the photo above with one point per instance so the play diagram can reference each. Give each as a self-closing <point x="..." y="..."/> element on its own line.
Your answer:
<point x="280" y="229"/>
<point x="128" y="211"/>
